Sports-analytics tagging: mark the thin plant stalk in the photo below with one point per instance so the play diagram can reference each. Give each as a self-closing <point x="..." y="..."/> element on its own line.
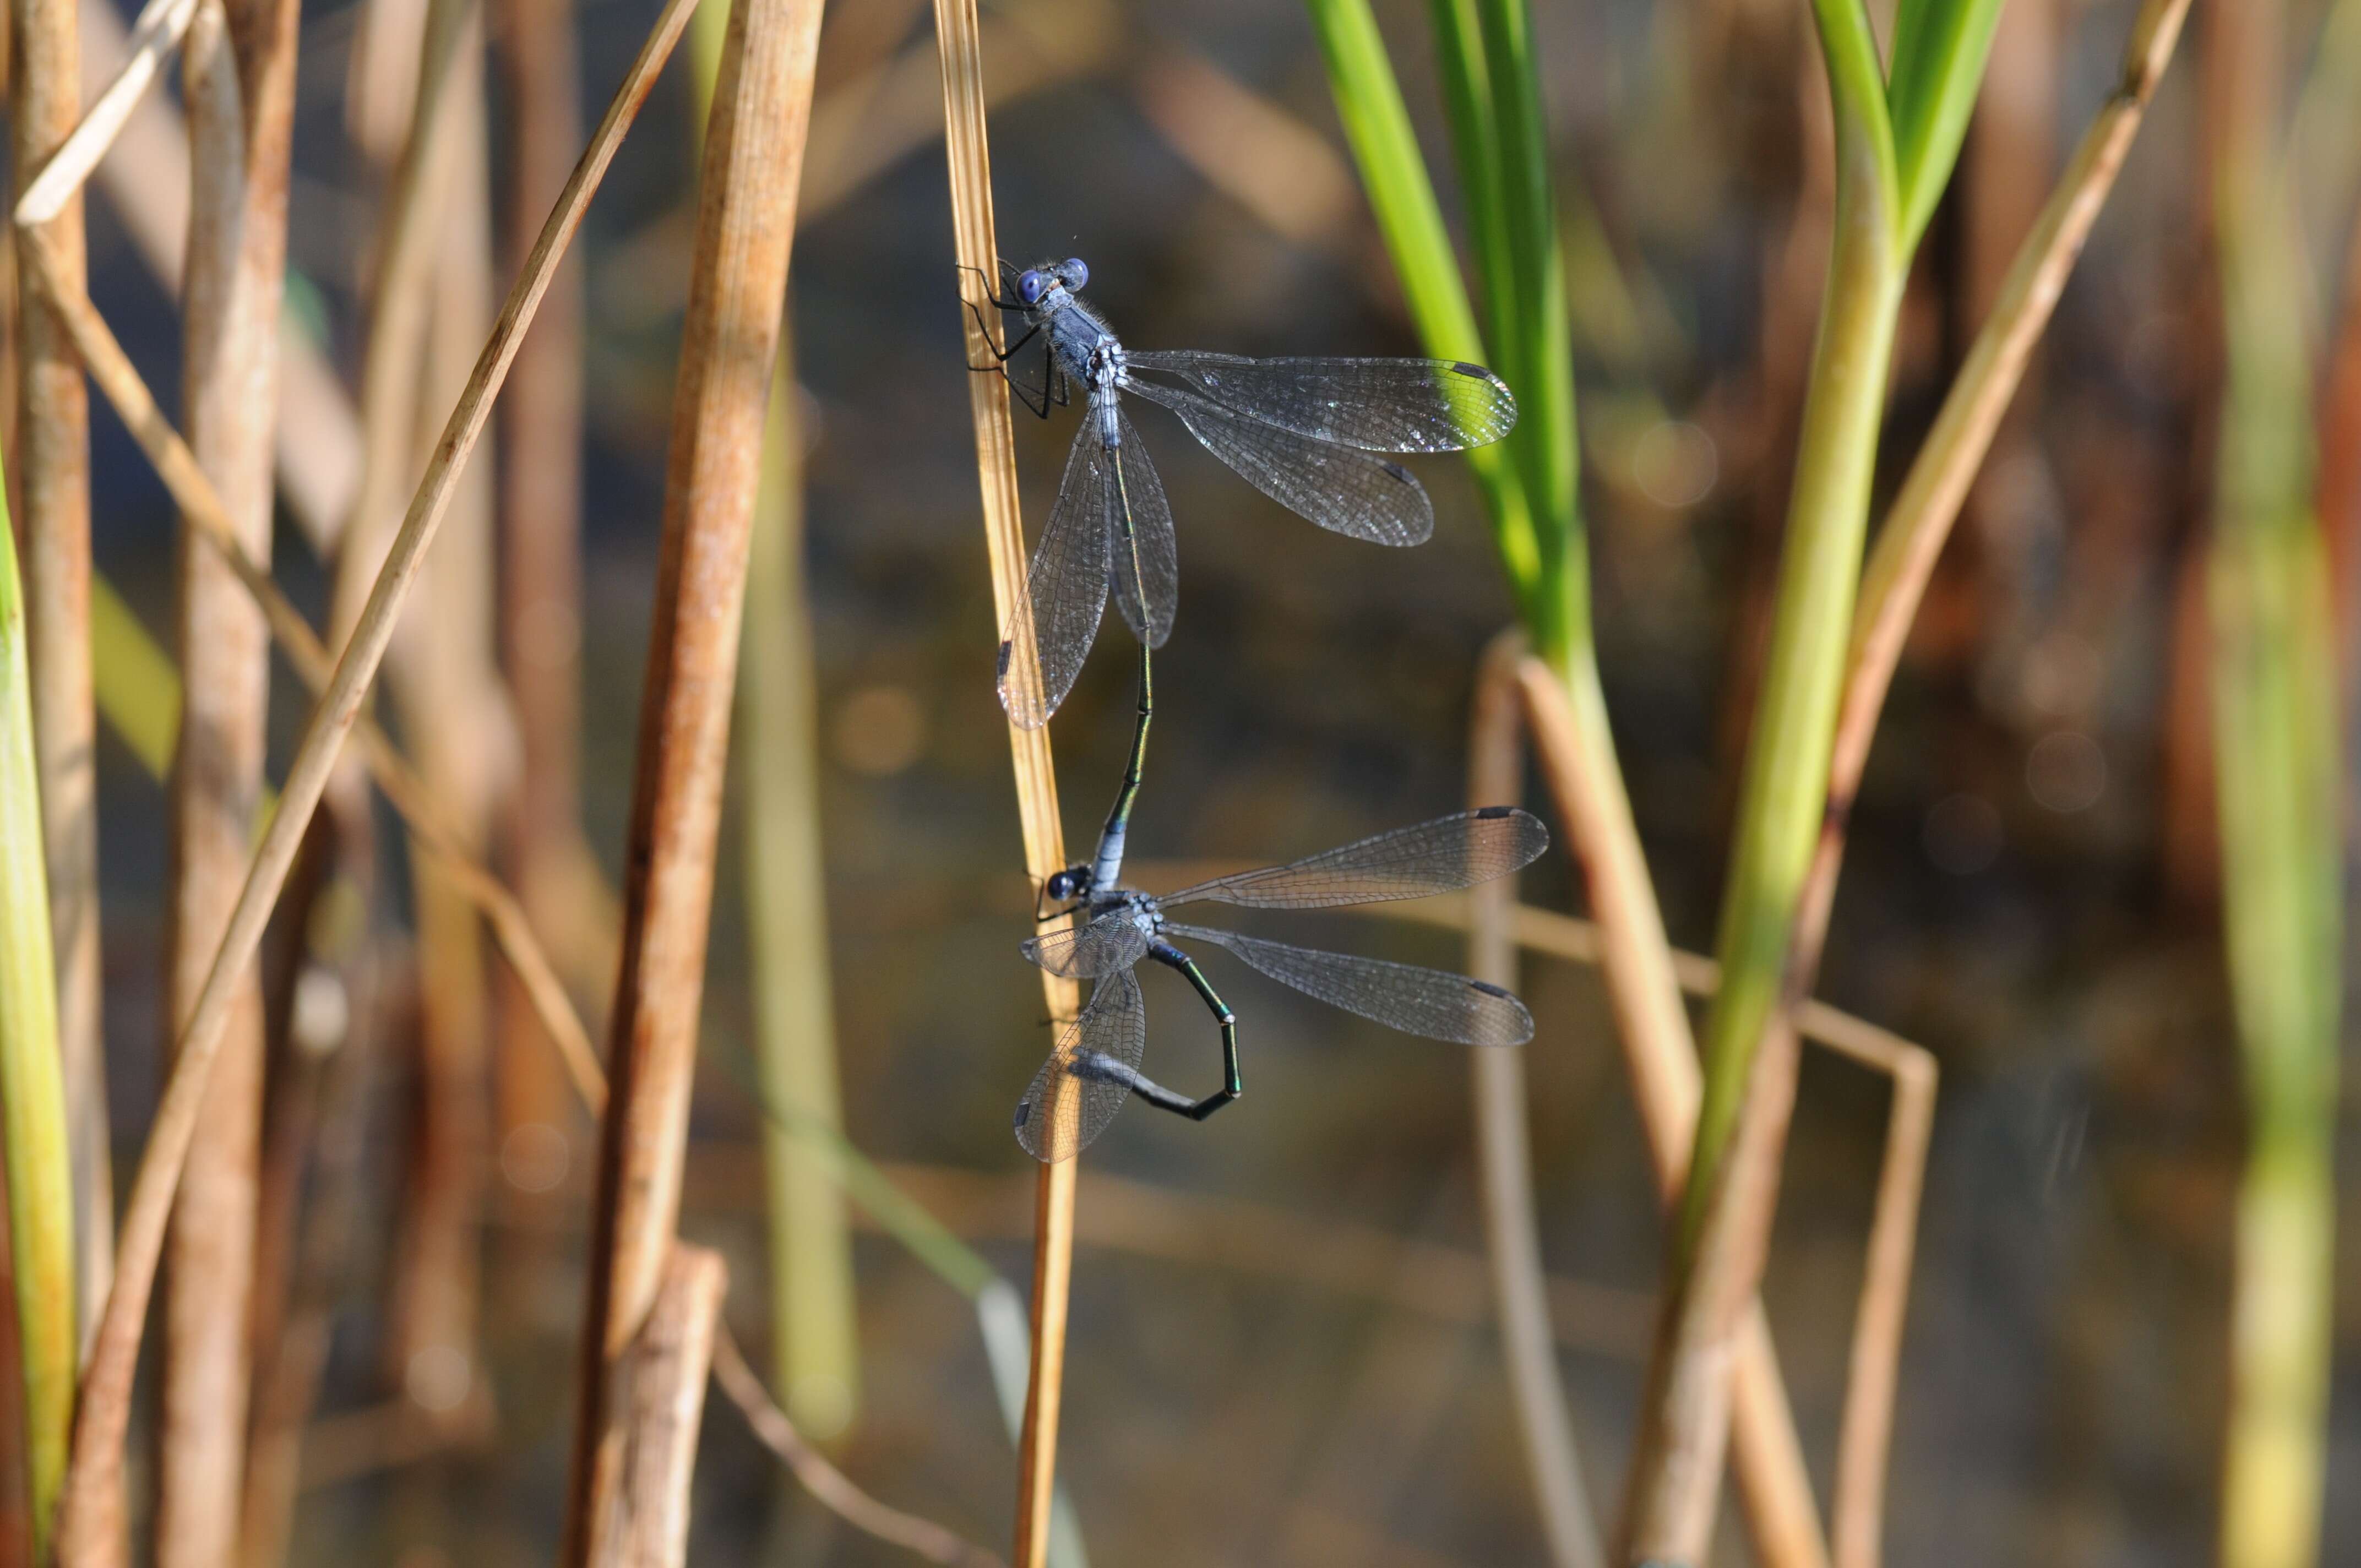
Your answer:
<point x="542" y="846"/>
<point x="95" y="1473"/>
<point x="1504" y="1158"/>
<point x="2280" y="763"/>
<point x="34" y="1132"/>
<point x="746" y="201"/>
<point x="445" y="681"/>
<point x="825" y="1481"/>
<point x="968" y="152"/>
<point x="1732" y="1186"/>
<point x="239" y="167"/>
<point x="52" y="484"/>
<point x="1776" y="1490"/>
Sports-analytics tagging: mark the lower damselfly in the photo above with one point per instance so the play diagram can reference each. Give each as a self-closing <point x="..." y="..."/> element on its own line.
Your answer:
<point x="1095" y="1064"/>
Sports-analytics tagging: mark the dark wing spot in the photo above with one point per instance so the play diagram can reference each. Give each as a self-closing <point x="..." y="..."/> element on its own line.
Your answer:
<point x="1398" y="472"/>
<point x="1491" y="990"/>
<point x="1494" y="813"/>
<point x="1005" y="649"/>
<point x="1477" y="371"/>
<point x="1023" y="1109"/>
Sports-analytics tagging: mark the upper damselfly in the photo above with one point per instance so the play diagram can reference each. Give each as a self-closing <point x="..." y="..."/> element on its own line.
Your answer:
<point x="1307" y="432"/>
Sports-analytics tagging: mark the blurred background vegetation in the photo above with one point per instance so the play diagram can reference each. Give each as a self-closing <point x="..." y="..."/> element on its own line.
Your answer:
<point x="1282" y="1349"/>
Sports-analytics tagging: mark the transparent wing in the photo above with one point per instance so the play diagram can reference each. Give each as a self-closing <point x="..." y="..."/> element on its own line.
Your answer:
<point x="1156" y="567"/>
<point x="1441" y="856"/>
<point x="1380" y="405"/>
<point x="1112" y="942"/>
<point x="1430" y="1003"/>
<point x="1089" y="1073"/>
<point x="1342" y="488"/>
<point x="1057" y="616"/>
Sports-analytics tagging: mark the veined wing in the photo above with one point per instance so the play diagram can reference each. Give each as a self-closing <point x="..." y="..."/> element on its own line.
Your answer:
<point x="1130" y="479"/>
<point x="1057" y="616"/>
<point x="1441" y="856"/>
<point x="1112" y="942"/>
<point x="1430" y="1003"/>
<point x="1342" y="488"/>
<point x="1379" y="405"/>
<point x="1089" y="1073"/>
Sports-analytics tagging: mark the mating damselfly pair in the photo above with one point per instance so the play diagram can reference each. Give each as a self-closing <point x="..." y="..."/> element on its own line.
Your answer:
<point x="1314" y="434"/>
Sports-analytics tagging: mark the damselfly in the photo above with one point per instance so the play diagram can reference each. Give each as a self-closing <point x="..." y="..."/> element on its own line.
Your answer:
<point x="1306" y="432"/>
<point x="1096" y="1059"/>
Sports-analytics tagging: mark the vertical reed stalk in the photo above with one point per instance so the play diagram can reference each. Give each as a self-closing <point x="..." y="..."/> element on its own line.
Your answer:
<point x="2278" y="759"/>
<point x="540" y="617"/>
<point x="1732" y="1184"/>
<point x="968" y="152"/>
<point x="34" y="1132"/>
<point x="1495" y="777"/>
<point x="52" y="482"/>
<point x="814" y="1313"/>
<point x="813" y="1309"/>
<point x="746" y="204"/>
<point x="239" y="74"/>
<point x="87" y="1513"/>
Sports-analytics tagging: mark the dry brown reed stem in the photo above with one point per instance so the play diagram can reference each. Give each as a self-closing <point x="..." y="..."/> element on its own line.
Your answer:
<point x="49" y="478"/>
<point x="446" y="683"/>
<point x="543" y="848"/>
<point x="155" y="35"/>
<point x="663" y="1396"/>
<point x="746" y="204"/>
<point x="1776" y="1487"/>
<point x="1865" y="1435"/>
<point x="144" y="177"/>
<point x="968" y="150"/>
<point x="1503" y="1148"/>
<point x="239" y="92"/>
<point x="404" y="789"/>
<point x="95" y="1473"/>
<point x="825" y="1481"/>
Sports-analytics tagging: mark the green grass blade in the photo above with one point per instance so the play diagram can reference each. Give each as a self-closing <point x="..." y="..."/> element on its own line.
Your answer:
<point x="1393" y="172"/>
<point x="1940" y="49"/>
<point x="1785" y="788"/>
<point x="2278" y="758"/>
<point x="32" y="1088"/>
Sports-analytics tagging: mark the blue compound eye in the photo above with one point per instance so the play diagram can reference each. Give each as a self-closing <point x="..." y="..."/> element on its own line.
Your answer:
<point x="1078" y="276"/>
<point x="1030" y="286"/>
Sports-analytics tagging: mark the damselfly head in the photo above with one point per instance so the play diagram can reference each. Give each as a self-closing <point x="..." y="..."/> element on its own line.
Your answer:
<point x="1075" y="881"/>
<point x="1033" y="284"/>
